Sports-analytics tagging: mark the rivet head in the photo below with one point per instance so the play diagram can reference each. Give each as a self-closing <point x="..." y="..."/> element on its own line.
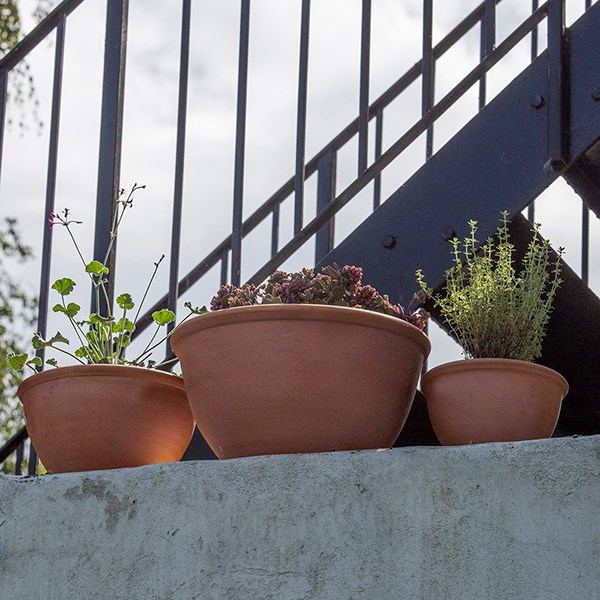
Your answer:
<point x="596" y="94"/>
<point x="448" y="233"/>
<point x="388" y="241"/>
<point x="537" y="101"/>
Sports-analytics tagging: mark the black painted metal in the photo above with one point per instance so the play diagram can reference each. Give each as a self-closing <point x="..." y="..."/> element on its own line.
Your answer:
<point x="179" y="164"/>
<point x="37" y="35"/>
<point x="397" y="147"/>
<point x="325" y="194"/>
<point x="428" y="77"/>
<point x="557" y="93"/>
<point x="363" y="96"/>
<point x="497" y="161"/>
<point x="378" y="151"/>
<point x="487" y="42"/>
<point x="111" y="127"/>
<point x="275" y="229"/>
<point x="300" y="174"/>
<point x="50" y="197"/>
<point x="240" y="145"/>
<point x="534" y="53"/>
<point x="270" y="206"/>
<point x="12" y="444"/>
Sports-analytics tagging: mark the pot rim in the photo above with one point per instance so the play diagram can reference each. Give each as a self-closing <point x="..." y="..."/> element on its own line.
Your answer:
<point x="482" y="364"/>
<point x="312" y="312"/>
<point x="89" y="371"/>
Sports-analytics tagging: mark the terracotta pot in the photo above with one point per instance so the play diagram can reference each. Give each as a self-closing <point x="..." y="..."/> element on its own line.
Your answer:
<point x="90" y="417"/>
<point x="493" y="400"/>
<point x="290" y="378"/>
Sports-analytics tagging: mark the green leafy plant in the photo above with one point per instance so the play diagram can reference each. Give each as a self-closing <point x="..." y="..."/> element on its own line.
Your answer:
<point x="493" y="311"/>
<point x="102" y="338"/>
<point x="334" y="286"/>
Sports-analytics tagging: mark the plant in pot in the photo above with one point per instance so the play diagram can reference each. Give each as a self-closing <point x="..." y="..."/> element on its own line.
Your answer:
<point x="106" y="411"/>
<point x="499" y="317"/>
<point x="305" y="362"/>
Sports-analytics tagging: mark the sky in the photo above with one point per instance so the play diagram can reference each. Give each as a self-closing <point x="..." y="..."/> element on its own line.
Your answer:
<point x="150" y="128"/>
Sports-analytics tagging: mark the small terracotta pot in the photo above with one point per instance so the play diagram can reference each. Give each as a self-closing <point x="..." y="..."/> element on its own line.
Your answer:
<point x="493" y="400"/>
<point x="90" y="417"/>
<point x="290" y="378"/>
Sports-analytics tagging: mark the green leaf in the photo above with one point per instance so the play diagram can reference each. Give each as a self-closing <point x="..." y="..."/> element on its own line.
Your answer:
<point x="94" y="318"/>
<point x="71" y="310"/>
<point x="64" y="286"/>
<point x="164" y="316"/>
<point x="124" y="340"/>
<point x="123" y="324"/>
<point x="125" y="301"/>
<point x="17" y="361"/>
<point x="52" y="362"/>
<point x="39" y="342"/>
<point x="82" y="352"/>
<point x="96" y="268"/>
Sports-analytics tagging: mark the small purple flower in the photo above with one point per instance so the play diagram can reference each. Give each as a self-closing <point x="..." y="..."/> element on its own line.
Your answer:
<point x="51" y="220"/>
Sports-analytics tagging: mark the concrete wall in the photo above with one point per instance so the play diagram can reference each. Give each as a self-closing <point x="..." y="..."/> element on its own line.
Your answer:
<point x="496" y="521"/>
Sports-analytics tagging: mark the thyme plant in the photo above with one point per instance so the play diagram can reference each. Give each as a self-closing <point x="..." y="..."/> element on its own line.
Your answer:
<point x="493" y="311"/>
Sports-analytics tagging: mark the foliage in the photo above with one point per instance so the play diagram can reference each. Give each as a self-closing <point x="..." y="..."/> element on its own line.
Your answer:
<point x="22" y="87"/>
<point x="17" y="311"/>
<point x="101" y="338"/>
<point x="335" y="286"/>
<point x="494" y="311"/>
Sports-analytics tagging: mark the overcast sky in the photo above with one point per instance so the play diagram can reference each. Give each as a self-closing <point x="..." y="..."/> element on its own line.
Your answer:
<point x="150" y="120"/>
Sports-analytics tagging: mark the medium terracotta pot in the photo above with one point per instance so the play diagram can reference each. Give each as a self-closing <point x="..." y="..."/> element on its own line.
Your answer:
<point x="493" y="400"/>
<point x="90" y="417"/>
<point x="290" y="378"/>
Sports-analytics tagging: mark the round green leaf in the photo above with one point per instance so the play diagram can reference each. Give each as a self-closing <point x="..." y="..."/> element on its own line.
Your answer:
<point x="64" y="286"/>
<point x="96" y="268"/>
<point x="164" y="316"/>
<point x="125" y="301"/>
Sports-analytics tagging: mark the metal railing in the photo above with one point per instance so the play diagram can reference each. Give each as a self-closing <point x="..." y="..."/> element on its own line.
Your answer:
<point x="228" y="253"/>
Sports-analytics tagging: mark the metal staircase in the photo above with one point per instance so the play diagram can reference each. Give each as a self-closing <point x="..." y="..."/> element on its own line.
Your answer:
<point x="544" y="125"/>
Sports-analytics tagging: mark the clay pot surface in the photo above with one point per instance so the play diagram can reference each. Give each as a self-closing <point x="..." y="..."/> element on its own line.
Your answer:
<point x="493" y="400"/>
<point x="90" y="417"/>
<point x="290" y="378"/>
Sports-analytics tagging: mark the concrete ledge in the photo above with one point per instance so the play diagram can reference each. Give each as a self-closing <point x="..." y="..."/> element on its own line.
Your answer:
<point x="496" y="521"/>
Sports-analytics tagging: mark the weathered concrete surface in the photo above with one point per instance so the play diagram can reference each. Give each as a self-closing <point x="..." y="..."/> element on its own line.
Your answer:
<point x="499" y="521"/>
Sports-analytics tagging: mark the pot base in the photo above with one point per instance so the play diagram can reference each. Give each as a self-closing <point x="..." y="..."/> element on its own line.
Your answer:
<point x="493" y="400"/>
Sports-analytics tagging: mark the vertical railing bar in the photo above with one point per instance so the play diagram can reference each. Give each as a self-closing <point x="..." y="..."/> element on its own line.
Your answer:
<point x="557" y="110"/>
<point x="20" y="455"/>
<point x="301" y="118"/>
<point x="585" y="223"/>
<point x="275" y="230"/>
<point x="111" y="129"/>
<point x="44" y="288"/>
<point x="240" y="145"/>
<point x="487" y="42"/>
<point x="179" y="164"/>
<point x="534" y="53"/>
<point x="363" y="102"/>
<point x="224" y="266"/>
<point x="378" y="151"/>
<point x="585" y="243"/>
<point x="326" y="181"/>
<point x="3" y="95"/>
<point x="428" y="72"/>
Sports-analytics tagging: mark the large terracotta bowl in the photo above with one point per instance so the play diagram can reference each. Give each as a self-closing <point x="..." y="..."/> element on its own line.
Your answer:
<point x="90" y="417"/>
<point x="493" y="400"/>
<point x="290" y="378"/>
